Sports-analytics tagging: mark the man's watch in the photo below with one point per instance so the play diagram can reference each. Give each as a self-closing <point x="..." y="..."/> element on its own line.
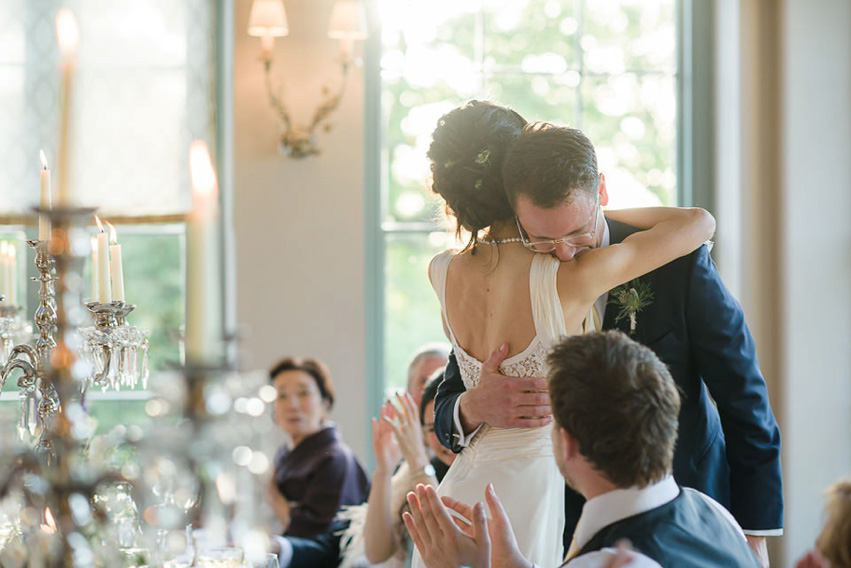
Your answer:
<point x="426" y="471"/>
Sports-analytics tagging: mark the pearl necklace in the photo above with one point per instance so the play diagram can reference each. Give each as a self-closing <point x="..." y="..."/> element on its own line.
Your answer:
<point x="501" y="241"/>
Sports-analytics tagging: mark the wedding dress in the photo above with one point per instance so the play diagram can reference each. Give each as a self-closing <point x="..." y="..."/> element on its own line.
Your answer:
<point x="518" y="461"/>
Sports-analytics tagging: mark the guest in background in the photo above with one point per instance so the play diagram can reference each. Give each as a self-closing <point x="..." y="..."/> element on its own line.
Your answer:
<point x="316" y="474"/>
<point x="428" y="359"/>
<point x="443" y="457"/>
<point x="376" y="536"/>
<point x="833" y="545"/>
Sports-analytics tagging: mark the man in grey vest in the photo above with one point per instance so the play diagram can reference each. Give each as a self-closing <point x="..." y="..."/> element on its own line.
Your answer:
<point x="615" y="408"/>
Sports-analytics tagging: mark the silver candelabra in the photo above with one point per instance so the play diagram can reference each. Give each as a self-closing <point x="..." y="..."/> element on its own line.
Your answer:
<point x="117" y="351"/>
<point x="33" y="362"/>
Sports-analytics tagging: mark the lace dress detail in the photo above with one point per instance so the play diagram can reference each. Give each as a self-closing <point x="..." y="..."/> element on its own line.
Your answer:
<point x="530" y="363"/>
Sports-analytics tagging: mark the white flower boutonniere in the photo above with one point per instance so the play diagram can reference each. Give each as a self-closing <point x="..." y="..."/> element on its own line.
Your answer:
<point x="631" y="298"/>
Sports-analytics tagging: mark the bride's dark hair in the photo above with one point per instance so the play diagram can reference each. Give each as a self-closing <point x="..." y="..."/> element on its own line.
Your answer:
<point x="466" y="154"/>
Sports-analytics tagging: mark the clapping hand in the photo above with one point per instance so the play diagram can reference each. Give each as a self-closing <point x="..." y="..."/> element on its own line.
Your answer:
<point x="405" y="423"/>
<point x="504" y="550"/>
<point x="279" y="503"/>
<point x="384" y="446"/>
<point x="441" y="543"/>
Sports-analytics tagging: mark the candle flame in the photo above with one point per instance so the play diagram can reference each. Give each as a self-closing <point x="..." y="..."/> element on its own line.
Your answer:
<point x="4" y="247"/>
<point x="13" y="251"/>
<point x="67" y="32"/>
<point x="43" y="159"/>
<point x="201" y="168"/>
<point x="100" y="225"/>
<point x="49" y="525"/>
<point x="113" y="234"/>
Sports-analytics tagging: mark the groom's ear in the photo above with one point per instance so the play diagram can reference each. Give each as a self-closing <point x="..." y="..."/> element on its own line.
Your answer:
<point x="569" y="444"/>
<point x="604" y="194"/>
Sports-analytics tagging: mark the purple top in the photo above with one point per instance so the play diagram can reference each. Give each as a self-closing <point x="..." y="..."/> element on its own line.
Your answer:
<point x="317" y="477"/>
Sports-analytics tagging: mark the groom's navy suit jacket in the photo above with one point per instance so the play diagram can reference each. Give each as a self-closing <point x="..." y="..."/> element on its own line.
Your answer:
<point x="728" y="445"/>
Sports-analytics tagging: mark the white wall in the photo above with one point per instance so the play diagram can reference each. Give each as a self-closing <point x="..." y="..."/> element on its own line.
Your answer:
<point x="783" y="97"/>
<point x="816" y="245"/>
<point x="299" y="223"/>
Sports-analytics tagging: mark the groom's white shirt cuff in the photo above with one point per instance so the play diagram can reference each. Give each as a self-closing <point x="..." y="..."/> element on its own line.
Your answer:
<point x="767" y="532"/>
<point x="463" y="440"/>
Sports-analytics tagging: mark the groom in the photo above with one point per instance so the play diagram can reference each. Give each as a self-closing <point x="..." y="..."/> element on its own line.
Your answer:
<point x="728" y="442"/>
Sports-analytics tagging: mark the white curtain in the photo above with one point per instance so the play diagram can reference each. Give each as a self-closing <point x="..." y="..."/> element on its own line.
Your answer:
<point x="144" y="88"/>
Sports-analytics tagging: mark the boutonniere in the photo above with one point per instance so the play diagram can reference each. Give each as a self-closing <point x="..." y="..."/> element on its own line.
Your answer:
<point x="631" y="298"/>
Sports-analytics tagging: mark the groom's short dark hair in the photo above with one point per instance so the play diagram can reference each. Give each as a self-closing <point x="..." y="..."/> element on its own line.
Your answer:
<point x="619" y="401"/>
<point x="547" y="163"/>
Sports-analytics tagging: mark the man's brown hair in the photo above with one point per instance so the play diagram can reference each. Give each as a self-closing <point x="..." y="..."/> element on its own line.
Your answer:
<point x="619" y="401"/>
<point x="548" y="163"/>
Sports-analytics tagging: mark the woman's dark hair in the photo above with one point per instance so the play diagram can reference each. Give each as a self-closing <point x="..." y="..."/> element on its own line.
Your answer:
<point x="466" y="154"/>
<point x="313" y="367"/>
<point x="429" y="392"/>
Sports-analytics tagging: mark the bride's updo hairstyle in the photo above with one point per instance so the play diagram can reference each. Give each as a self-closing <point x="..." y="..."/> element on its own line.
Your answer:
<point x="466" y="155"/>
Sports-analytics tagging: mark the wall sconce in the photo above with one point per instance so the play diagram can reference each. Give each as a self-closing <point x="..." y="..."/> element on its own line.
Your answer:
<point x="268" y="20"/>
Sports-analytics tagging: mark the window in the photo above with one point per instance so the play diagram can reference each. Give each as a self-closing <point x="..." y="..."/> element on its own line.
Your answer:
<point x="145" y="87"/>
<point x="608" y="68"/>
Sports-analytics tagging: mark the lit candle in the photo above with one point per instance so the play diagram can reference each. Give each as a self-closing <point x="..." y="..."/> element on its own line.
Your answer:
<point x="69" y="37"/>
<point x="94" y="292"/>
<point x="13" y="275"/>
<point x="201" y="276"/>
<point x="116" y="267"/>
<point x="4" y="271"/>
<point x="104" y="289"/>
<point x="45" y="203"/>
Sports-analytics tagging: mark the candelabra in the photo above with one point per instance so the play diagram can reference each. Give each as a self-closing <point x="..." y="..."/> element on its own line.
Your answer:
<point x="34" y="362"/>
<point x="117" y="351"/>
<point x="55" y="482"/>
<point x="11" y="328"/>
<point x="75" y="501"/>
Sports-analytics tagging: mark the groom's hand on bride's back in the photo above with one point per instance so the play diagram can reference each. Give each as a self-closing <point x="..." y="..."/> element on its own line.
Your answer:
<point x="505" y="402"/>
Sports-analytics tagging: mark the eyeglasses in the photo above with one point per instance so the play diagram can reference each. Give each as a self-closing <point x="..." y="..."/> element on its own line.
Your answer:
<point x="549" y="245"/>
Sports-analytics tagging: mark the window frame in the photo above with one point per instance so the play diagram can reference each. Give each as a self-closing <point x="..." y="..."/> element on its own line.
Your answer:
<point x="693" y="160"/>
<point x="223" y="30"/>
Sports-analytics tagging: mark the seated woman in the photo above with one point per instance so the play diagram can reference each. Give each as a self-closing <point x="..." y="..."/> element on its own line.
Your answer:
<point x="376" y="536"/>
<point x="316" y="474"/>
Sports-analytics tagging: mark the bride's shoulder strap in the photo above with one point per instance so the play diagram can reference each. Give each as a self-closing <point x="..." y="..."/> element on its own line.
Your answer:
<point x="437" y="269"/>
<point x="547" y="312"/>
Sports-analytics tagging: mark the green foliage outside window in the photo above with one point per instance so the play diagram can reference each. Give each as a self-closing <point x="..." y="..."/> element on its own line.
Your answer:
<point x="605" y="67"/>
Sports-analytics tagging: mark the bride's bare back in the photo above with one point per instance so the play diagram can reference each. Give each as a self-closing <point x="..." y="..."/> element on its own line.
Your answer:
<point x="488" y="300"/>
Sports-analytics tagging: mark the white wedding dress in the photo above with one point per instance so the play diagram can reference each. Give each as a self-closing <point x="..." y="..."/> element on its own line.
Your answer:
<point x="518" y="461"/>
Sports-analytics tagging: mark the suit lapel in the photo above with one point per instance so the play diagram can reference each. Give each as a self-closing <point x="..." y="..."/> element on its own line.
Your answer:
<point x="617" y="233"/>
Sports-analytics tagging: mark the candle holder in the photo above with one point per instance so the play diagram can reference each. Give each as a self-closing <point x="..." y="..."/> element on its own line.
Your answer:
<point x="56" y="480"/>
<point x="10" y="329"/>
<point x="117" y="351"/>
<point x="33" y="362"/>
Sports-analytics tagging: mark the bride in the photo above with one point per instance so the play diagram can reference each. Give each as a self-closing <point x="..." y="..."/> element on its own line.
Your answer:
<point x="500" y="289"/>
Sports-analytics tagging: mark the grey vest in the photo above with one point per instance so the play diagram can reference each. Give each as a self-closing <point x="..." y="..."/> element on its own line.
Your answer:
<point x="686" y="532"/>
